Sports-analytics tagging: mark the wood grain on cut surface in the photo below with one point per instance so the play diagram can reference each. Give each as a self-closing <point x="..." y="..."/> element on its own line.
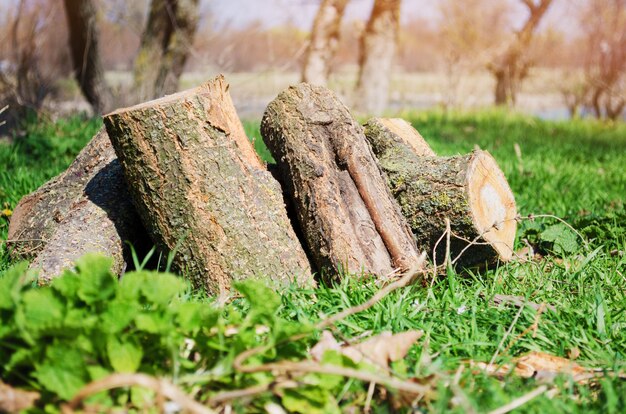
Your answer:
<point x="469" y="190"/>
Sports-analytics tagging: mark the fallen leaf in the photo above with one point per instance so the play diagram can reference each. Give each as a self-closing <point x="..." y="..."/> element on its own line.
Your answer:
<point x="387" y="347"/>
<point x="380" y="349"/>
<point x="541" y="366"/>
<point x="13" y="400"/>
<point x="525" y="254"/>
<point x="539" y="362"/>
<point x="327" y="342"/>
<point x="573" y="353"/>
<point x="401" y="399"/>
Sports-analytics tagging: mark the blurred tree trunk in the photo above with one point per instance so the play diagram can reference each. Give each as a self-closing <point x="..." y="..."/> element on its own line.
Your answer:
<point x="165" y="45"/>
<point x="511" y="66"/>
<point x="84" y="38"/>
<point x="604" y="23"/>
<point x="324" y="41"/>
<point x="378" y="47"/>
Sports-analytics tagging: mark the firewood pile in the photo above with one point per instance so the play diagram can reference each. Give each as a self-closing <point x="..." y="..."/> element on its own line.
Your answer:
<point x="343" y="199"/>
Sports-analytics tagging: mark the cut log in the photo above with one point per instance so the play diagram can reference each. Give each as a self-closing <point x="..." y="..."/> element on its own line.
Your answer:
<point x="202" y="192"/>
<point x="86" y="209"/>
<point x="349" y="219"/>
<point x="470" y="190"/>
<point x="395" y="134"/>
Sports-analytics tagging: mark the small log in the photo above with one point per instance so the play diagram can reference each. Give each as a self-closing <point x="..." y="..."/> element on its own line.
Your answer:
<point x="86" y="209"/>
<point x="349" y="219"/>
<point x="202" y="191"/>
<point x="398" y="135"/>
<point x="470" y="190"/>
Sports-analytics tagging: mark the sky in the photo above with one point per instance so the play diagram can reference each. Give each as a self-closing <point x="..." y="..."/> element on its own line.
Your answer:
<point x="301" y="13"/>
<point x="240" y="13"/>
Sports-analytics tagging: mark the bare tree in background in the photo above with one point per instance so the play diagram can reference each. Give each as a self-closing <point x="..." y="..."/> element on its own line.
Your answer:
<point x="511" y="66"/>
<point x="468" y="34"/>
<point x="604" y="23"/>
<point x="165" y="45"/>
<point x="84" y="45"/>
<point x="33" y="56"/>
<point x="324" y="41"/>
<point x="378" y="46"/>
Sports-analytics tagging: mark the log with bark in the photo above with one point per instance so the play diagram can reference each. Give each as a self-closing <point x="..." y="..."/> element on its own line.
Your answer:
<point x="86" y="209"/>
<point x="469" y="190"/>
<point x="202" y="192"/>
<point x="348" y="217"/>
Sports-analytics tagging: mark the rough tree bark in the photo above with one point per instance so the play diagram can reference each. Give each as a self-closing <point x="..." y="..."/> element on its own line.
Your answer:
<point x="202" y="191"/>
<point x="378" y="47"/>
<point x="165" y="45"/>
<point x="85" y="209"/>
<point x="349" y="218"/>
<point x="324" y="42"/>
<point x="84" y="45"/>
<point x="511" y="66"/>
<point x="470" y="190"/>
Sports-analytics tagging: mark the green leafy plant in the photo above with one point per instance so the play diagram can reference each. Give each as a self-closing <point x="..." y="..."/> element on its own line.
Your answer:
<point x="562" y="239"/>
<point x="557" y="239"/>
<point x="86" y="325"/>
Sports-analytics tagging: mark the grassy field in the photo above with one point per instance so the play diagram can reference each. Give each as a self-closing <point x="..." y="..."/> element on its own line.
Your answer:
<point x="573" y="170"/>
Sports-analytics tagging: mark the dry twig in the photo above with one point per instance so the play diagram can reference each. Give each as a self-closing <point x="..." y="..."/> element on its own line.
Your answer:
<point x="368" y="400"/>
<point x="14" y="400"/>
<point x="506" y="335"/>
<point x="308" y="366"/>
<point x="405" y="280"/>
<point x="533" y="327"/>
<point x="520" y="401"/>
<point x="161" y="387"/>
<point x="313" y="367"/>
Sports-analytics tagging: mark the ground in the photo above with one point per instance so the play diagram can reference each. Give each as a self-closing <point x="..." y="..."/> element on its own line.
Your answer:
<point x="571" y="170"/>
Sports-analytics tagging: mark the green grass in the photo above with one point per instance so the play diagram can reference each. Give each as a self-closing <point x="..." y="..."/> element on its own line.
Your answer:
<point x="43" y="150"/>
<point x="575" y="170"/>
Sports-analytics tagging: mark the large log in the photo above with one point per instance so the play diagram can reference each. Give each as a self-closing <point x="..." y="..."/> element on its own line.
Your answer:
<point x="202" y="191"/>
<point x="469" y="190"/>
<point x="85" y="209"/>
<point x="349" y="218"/>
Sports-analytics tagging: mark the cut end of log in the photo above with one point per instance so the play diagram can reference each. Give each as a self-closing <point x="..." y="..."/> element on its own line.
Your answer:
<point x="492" y="203"/>
<point x="470" y="190"/>
<point x="409" y="135"/>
